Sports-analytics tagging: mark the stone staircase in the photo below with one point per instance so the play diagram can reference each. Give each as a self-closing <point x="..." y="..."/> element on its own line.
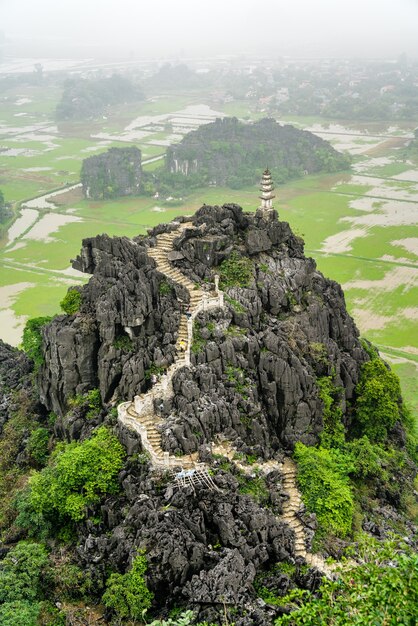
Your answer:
<point x="293" y="505"/>
<point x="140" y="414"/>
<point x="160" y="253"/>
<point x="289" y="515"/>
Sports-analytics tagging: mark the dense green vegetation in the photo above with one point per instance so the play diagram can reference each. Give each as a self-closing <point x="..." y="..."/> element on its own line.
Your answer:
<point x="127" y="594"/>
<point x="32" y="338"/>
<point x="77" y="476"/>
<point x="87" y="98"/>
<point x="382" y="590"/>
<point x="324" y="482"/>
<point x="228" y="152"/>
<point x="378" y="399"/>
<point x="21" y="584"/>
<point x="332" y="477"/>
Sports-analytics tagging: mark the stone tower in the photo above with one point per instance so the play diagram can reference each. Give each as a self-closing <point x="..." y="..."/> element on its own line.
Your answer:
<point x="266" y="192"/>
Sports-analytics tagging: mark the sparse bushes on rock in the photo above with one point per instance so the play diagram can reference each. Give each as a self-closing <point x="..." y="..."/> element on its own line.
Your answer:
<point x="236" y="271"/>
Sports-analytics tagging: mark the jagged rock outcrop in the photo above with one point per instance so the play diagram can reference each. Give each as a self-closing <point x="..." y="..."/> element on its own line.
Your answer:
<point x="247" y="392"/>
<point x="255" y="365"/>
<point x="15" y="368"/>
<point x="126" y="324"/>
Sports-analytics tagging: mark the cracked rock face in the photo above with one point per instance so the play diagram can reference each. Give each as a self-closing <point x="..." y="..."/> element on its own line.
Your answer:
<point x="256" y="361"/>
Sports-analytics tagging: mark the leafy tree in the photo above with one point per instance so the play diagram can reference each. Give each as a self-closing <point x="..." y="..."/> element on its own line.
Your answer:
<point x="32" y="338"/>
<point x="378" y="399"/>
<point x="324" y="483"/>
<point x="127" y="594"/>
<point x="78" y="475"/>
<point x="20" y="572"/>
<point x="38" y="445"/>
<point x="71" y="302"/>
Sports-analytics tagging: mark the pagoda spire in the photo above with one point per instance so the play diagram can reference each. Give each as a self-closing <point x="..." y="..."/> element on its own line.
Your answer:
<point x="266" y="189"/>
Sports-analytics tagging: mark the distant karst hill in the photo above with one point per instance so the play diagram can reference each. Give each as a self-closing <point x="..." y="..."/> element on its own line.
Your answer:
<point x="229" y="152"/>
<point x="84" y="98"/>
<point x="117" y="172"/>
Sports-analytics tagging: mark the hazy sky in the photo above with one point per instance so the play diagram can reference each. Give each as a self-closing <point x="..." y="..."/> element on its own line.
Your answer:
<point x="190" y="27"/>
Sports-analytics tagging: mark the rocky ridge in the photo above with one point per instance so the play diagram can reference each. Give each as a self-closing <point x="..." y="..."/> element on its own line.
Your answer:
<point x="249" y="380"/>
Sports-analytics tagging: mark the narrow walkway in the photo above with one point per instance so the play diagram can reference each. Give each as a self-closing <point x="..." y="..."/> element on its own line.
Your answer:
<point x="141" y="414"/>
<point x="291" y="506"/>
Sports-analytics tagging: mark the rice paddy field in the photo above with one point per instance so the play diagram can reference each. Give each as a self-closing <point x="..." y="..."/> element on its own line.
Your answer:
<point x="360" y="226"/>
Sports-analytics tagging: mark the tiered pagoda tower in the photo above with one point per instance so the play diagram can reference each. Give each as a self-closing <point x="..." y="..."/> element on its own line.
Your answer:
<point x="266" y="192"/>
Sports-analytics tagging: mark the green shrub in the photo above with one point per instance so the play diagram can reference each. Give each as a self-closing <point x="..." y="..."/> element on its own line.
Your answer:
<point x="123" y="343"/>
<point x="378" y="399"/>
<point x="38" y="445"/>
<point x="324" y="483"/>
<point x="20" y="613"/>
<point x="164" y="288"/>
<point x="20" y="572"/>
<point x="367" y="458"/>
<point x="333" y="433"/>
<point x="32" y="339"/>
<point x="383" y="591"/>
<point x="78" y="475"/>
<point x="236" y="271"/>
<point x="71" y="302"/>
<point x="127" y="594"/>
<point x="91" y="400"/>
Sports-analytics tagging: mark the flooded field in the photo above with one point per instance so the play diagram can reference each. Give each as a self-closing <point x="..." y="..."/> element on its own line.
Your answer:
<point x="361" y="227"/>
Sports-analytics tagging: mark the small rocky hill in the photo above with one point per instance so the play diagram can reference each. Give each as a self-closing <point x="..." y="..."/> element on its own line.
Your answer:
<point x="229" y="152"/>
<point x="117" y="172"/>
<point x="85" y="98"/>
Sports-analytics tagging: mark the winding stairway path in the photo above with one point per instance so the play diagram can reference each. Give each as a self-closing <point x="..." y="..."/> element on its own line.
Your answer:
<point x="141" y="414"/>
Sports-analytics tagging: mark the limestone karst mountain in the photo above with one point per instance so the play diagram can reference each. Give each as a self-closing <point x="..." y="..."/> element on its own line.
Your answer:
<point x="282" y="326"/>
<point x="219" y="351"/>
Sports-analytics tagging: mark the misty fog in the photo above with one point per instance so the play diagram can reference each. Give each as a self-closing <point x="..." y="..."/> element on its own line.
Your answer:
<point x="138" y="29"/>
